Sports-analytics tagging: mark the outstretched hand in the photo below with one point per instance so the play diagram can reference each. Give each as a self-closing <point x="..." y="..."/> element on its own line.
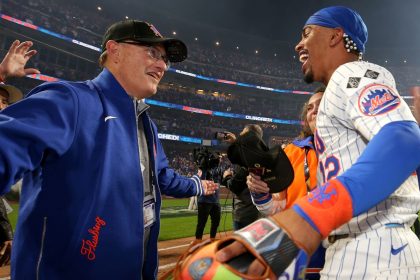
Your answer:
<point x="13" y="64"/>
<point x="209" y="187"/>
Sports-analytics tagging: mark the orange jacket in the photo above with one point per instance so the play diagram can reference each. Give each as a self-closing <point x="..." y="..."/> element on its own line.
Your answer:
<point x="296" y="154"/>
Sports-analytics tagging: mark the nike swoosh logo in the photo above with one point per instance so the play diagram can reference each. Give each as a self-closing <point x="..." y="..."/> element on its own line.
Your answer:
<point x="398" y="250"/>
<point x="109" y="118"/>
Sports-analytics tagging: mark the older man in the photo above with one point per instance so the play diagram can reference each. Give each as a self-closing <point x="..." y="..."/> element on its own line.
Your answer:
<point x="93" y="166"/>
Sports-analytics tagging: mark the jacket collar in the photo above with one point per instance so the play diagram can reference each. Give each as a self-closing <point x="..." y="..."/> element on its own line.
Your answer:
<point x="110" y="86"/>
<point x="305" y="142"/>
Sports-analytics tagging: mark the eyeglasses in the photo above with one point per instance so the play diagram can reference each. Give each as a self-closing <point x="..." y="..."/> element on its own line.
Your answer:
<point x="152" y="52"/>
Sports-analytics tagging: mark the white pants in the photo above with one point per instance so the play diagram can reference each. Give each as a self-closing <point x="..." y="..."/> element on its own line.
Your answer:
<point x="384" y="253"/>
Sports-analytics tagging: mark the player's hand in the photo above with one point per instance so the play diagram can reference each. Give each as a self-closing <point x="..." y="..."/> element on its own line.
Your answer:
<point x="209" y="187"/>
<point x="262" y="250"/>
<point x="5" y="253"/>
<point x="256" y="268"/>
<point x="13" y="64"/>
<point x="256" y="185"/>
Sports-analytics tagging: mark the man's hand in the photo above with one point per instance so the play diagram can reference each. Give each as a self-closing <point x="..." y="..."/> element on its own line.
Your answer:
<point x="5" y="253"/>
<point x="227" y="172"/>
<point x="13" y="64"/>
<point x="230" y="137"/>
<point x="209" y="187"/>
<point x="256" y="185"/>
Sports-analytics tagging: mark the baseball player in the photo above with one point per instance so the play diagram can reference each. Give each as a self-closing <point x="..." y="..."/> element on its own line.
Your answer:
<point x="367" y="197"/>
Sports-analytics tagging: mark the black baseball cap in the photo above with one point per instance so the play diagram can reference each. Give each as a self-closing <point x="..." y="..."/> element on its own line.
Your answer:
<point x="144" y="32"/>
<point x="250" y="151"/>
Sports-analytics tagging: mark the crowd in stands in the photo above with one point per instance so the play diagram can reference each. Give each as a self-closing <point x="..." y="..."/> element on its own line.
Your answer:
<point x="181" y="162"/>
<point x="64" y="18"/>
<point x="59" y="16"/>
<point x="258" y="103"/>
<point x="178" y="122"/>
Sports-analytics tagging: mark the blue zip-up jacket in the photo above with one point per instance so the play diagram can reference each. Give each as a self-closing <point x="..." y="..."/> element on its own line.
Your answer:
<point x="81" y="207"/>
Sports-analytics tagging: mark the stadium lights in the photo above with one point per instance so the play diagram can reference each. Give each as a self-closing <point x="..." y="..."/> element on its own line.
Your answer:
<point x="196" y="38"/>
<point x="237" y="47"/>
<point x="173" y="32"/>
<point x="217" y="43"/>
<point x="405" y="61"/>
<point x="99" y="8"/>
<point x="275" y="54"/>
<point x="126" y="17"/>
<point x="256" y="51"/>
<point x="386" y="61"/>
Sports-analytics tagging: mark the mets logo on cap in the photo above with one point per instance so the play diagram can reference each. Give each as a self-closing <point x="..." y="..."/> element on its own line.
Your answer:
<point x="378" y="99"/>
<point x="153" y="28"/>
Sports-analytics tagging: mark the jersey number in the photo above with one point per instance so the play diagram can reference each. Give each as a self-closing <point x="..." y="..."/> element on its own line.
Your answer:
<point x="331" y="165"/>
<point x="329" y="168"/>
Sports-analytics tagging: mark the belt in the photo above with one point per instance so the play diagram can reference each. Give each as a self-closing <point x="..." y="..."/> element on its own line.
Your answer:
<point x="334" y="238"/>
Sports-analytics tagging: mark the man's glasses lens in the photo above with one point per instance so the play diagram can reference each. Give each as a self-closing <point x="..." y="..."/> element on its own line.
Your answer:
<point x="152" y="51"/>
<point x="156" y="54"/>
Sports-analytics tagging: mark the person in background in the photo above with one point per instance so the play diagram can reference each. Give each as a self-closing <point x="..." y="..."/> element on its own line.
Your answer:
<point x="209" y="205"/>
<point x="244" y="211"/>
<point x="8" y="95"/>
<point x="302" y="156"/>
<point x="12" y="66"/>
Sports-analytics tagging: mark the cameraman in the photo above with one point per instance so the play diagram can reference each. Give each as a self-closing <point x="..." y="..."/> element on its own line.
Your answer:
<point x="244" y="211"/>
<point x="211" y="166"/>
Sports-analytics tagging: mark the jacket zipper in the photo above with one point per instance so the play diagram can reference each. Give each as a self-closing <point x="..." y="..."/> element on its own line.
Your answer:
<point x="139" y="157"/>
<point x="155" y="179"/>
<point x="44" y="229"/>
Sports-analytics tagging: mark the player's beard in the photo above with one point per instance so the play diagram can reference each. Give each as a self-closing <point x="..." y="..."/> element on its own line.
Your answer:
<point x="308" y="77"/>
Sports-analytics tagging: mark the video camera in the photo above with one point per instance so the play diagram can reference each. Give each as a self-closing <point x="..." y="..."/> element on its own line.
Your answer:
<point x="205" y="158"/>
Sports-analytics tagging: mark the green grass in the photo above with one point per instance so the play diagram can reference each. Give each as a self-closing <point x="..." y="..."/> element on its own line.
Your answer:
<point x="178" y="227"/>
<point x="175" y="202"/>
<point x="14" y="215"/>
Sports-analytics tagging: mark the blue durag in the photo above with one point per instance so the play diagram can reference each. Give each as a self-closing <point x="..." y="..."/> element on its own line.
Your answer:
<point x="346" y="18"/>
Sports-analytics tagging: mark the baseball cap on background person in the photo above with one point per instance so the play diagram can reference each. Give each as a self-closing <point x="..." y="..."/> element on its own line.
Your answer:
<point x="14" y="93"/>
<point x="250" y="151"/>
<point x="144" y="32"/>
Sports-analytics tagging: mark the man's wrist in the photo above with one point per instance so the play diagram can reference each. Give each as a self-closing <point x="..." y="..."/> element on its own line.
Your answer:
<point x="299" y="230"/>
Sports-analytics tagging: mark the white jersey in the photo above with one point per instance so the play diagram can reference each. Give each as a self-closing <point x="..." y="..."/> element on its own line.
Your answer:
<point x="359" y="100"/>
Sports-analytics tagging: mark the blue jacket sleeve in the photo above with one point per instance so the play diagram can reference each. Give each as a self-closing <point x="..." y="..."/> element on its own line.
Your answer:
<point x="170" y="182"/>
<point x="35" y="129"/>
<point x="388" y="160"/>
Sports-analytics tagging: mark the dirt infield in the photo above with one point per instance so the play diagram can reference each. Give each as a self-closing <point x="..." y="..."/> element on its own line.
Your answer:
<point x="170" y="250"/>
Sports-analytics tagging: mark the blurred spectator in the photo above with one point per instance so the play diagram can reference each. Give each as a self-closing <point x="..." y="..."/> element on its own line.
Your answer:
<point x="244" y="211"/>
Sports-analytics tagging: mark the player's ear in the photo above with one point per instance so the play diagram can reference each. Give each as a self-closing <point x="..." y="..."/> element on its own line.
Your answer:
<point x="336" y="36"/>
